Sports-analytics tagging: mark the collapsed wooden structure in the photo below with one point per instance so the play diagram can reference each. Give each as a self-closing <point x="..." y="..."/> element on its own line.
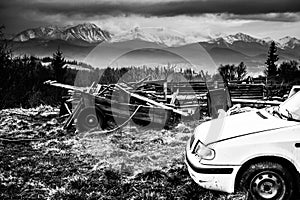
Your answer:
<point x="153" y="102"/>
<point x="96" y="106"/>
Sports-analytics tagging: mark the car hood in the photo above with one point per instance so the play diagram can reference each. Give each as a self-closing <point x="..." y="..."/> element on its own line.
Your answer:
<point x="253" y="122"/>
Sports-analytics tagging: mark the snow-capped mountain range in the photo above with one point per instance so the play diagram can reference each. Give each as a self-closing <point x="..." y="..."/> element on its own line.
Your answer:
<point x="161" y="36"/>
<point x="91" y="33"/>
<point x="79" y="41"/>
<point x="286" y="42"/>
<point x="86" y="32"/>
<point x="230" y="39"/>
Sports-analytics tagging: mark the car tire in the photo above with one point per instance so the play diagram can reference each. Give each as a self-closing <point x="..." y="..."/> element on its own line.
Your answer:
<point x="90" y="118"/>
<point x="268" y="181"/>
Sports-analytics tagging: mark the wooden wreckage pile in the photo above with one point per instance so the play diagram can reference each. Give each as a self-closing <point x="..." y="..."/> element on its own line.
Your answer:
<point x="110" y="107"/>
<point x="99" y="106"/>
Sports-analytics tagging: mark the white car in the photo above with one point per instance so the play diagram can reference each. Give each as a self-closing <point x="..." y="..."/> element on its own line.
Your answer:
<point x="257" y="151"/>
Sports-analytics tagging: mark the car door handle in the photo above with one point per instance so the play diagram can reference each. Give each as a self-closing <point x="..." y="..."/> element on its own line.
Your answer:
<point x="297" y="145"/>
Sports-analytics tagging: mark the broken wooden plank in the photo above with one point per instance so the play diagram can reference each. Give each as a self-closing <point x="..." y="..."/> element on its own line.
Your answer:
<point x="73" y="115"/>
<point x="67" y="108"/>
<point x="152" y="101"/>
<point x="65" y="86"/>
<point x="254" y="101"/>
<point x="174" y="95"/>
<point x="141" y="81"/>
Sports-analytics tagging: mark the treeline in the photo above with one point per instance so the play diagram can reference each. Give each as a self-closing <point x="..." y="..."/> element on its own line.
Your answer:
<point x="22" y="78"/>
<point x="285" y="73"/>
<point x="231" y="72"/>
<point x="134" y="74"/>
<point x="288" y="72"/>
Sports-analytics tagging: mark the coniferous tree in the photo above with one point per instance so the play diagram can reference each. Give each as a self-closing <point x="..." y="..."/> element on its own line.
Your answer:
<point x="5" y="52"/>
<point x="271" y="70"/>
<point x="59" y="70"/>
<point x="58" y="62"/>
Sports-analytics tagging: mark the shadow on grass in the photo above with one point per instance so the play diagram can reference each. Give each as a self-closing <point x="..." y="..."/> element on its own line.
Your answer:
<point x="54" y="172"/>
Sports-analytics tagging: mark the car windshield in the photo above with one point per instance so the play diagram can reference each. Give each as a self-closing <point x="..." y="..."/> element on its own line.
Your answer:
<point x="290" y="109"/>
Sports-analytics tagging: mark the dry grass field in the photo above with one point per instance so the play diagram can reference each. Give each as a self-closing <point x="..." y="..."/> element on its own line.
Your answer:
<point x="40" y="160"/>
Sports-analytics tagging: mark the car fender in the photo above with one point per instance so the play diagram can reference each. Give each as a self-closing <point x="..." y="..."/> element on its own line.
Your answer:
<point x="271" y="155"/>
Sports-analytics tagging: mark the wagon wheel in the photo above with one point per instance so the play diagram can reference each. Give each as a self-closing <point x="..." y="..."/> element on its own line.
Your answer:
<point x="90" y="118"/>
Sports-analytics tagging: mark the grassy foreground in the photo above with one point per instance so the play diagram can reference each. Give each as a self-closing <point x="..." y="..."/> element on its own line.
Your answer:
<point x="133" y="163"/>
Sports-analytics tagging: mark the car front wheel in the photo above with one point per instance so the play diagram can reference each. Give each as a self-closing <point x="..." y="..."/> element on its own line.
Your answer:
<point x="268" y="181"/>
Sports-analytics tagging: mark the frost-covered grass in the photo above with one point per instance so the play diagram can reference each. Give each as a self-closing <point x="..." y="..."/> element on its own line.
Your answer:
<point x="133" y="163"/>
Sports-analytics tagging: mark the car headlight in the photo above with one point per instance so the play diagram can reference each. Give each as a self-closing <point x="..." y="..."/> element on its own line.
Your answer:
<point x="203" y="152"/>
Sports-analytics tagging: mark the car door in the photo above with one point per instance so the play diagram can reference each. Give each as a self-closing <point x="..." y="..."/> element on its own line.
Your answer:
<point x="296" y="143"/>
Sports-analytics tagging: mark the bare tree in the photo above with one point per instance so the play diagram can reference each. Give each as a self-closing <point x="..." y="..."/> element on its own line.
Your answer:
<point x="241" y="71"/>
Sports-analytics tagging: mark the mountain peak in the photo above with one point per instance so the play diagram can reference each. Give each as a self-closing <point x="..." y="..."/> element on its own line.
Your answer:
<point x="87" y="32"/>
<point x="268" y="39"/>
<point x="289" y="42"/>
<point x="157" y="35"/>
<point x="242" y="37"/>
<point x="240" y="34"/>
<point x="239" y="37"/>
<point x="87" y="25"/>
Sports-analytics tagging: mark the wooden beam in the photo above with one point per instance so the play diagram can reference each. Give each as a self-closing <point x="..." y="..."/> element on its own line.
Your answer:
<point x="152" y="101"/>
<point x="174" y="95"/>
<point x="254" y="101"/>
<point x="72" y="115"/>
<point x="65" y="86"/>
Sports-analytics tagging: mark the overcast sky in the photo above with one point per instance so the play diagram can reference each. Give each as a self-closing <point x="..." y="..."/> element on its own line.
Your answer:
<point x="259" y="18"/>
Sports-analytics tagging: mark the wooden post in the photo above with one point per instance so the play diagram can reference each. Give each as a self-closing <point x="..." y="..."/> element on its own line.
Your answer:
<point x="166" y="89"/>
